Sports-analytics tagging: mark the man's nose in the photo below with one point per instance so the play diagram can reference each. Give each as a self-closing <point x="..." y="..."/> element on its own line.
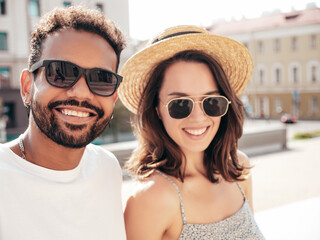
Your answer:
<point x="80" y="90"/>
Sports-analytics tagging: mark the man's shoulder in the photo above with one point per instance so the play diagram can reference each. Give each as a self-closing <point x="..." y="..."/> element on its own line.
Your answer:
<point x="4" y="149"/>
<point x="98" y="152"/>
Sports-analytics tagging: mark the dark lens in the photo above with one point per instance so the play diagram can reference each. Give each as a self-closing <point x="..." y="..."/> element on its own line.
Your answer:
<point x="102" y="82"/>
<point x="62" y="74"/>
<point x="215" y="106"/>
<point x="180" y="108"/>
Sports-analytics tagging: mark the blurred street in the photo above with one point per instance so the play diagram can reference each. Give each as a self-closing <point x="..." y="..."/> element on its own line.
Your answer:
<point x="301" y="126"/>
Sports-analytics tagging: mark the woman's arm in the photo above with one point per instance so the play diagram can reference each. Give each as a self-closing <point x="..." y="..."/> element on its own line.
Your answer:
<point x="148" y="213"/>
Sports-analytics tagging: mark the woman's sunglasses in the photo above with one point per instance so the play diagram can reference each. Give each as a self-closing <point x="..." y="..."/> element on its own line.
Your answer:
<point x="212" y="105"/>
<point x="63" y="74"/>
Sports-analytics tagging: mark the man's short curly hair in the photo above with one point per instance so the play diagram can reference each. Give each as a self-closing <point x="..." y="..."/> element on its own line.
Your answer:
<point x="78" y="18"/>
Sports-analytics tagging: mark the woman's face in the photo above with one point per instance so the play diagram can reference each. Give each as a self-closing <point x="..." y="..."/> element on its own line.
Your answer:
<point x="182" y="79"/>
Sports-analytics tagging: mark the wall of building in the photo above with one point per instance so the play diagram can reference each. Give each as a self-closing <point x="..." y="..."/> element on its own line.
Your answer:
<point x="269" y="98"/>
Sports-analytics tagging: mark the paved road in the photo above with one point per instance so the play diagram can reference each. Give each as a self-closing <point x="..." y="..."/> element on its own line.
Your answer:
<point x="287" y="176"/>
<point x="286" y="188"/>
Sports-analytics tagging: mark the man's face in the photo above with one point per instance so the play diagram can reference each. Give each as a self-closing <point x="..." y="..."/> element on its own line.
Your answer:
<point x="73" y="117"/>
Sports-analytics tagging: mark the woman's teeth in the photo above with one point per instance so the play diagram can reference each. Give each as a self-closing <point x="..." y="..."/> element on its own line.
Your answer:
<point x="196" y="132"/>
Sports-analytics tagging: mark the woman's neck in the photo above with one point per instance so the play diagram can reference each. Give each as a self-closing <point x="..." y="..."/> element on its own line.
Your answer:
<point x="194" y="163"/>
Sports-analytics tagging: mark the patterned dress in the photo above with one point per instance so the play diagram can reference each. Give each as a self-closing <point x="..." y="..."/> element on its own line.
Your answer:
<point x="239" y="226"/>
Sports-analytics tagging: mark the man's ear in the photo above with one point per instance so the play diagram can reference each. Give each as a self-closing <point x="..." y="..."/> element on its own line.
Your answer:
<point x="25" y="86"/>
<point x="115" y="97"/>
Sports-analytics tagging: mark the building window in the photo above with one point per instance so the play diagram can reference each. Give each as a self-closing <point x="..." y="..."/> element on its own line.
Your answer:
<point x="277" y="73"/>
<point x="261" y="76"/>
<point x="4" y="77"/>
<point x="262" y="107"/>
<point x="295" y="73"/>
<point x="3" y="41"/>
<point x="278" y="105"/>
<point x="34" y="8"/>
<point x="260" y="47"/>
<point x="314" y="106"/>
<point x="99" y="7"/>
<point x="294" y="43"/>
<point x="278" y="78"/>
<point x="313" y="41"/>
<point x="2" y="7"/>
<point x="313" y="73"/>
<point x="277" y="45"/>
<point x="261" y="79"/>
<point x="66" y="4"/>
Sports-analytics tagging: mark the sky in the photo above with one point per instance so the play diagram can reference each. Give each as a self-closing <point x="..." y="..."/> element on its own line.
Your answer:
<point x="148" y="17"/>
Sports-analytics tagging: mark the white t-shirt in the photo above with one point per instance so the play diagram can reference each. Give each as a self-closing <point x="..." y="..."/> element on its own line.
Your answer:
<point x="37" y="203"/>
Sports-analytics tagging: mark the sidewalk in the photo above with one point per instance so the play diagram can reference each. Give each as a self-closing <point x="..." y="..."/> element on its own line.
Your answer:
<point x="286" y="191"/>
<point x="287" y="176"/>
<point x="294" y="221"/>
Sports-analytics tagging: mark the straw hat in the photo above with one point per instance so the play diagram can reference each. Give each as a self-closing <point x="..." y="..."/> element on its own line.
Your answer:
<point x="233" y="57"/>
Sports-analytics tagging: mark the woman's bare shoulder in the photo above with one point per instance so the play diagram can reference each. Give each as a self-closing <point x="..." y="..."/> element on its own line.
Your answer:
<point x="243" y="159"/>
<point x="153" y="200"/>
<point x="155" y="189"/>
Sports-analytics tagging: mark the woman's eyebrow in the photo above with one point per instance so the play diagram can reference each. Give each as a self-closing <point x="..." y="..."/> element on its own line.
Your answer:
<point x="212" y="92"/>
<point x="184" y="94"/>
<point x="177" y="94"/>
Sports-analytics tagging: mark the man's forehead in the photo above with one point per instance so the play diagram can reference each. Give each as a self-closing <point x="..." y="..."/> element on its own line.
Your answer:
<point x="80" y="47"/>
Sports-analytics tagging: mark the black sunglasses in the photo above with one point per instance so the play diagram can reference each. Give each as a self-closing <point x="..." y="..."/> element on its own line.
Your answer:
<point x="63" y="74"/>
<point x="212" y="105"/>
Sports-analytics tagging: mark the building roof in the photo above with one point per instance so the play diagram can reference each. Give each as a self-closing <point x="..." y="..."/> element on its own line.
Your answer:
<point x="274" y="21"/>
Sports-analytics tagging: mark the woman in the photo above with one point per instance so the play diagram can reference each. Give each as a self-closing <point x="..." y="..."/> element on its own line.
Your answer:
<point x="194" y="183"/>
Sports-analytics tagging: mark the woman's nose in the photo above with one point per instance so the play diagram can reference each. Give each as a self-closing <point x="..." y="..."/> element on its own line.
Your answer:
<point x="197" y="113"/>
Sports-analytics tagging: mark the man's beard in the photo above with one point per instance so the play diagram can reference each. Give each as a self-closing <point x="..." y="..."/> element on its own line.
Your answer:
<point x="48" y="124"/>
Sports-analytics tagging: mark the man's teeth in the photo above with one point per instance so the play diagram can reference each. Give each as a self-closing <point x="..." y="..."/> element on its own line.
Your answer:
<point x="196" y="131"/>
<point x="74" y="113"/>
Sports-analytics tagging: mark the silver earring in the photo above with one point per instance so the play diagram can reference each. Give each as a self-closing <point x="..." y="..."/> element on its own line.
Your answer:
<point x="25" y="102"/>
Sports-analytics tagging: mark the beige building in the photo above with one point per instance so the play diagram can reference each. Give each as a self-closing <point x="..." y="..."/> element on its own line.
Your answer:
<point x="17" y="19"/>
<point x="286" y="51"/>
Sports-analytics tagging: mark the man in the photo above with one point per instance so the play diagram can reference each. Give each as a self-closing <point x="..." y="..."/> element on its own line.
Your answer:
<point x="53" y="183"/>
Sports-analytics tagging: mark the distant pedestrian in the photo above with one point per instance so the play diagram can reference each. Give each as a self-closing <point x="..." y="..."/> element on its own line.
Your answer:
<point x="194" y="183"/>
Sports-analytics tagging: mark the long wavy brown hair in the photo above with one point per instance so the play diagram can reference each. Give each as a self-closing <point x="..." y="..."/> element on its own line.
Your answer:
<point x="156" y="150"/>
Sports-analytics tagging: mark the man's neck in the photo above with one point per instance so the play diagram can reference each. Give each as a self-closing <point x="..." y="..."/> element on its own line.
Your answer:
<point x="42" y="151"/>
